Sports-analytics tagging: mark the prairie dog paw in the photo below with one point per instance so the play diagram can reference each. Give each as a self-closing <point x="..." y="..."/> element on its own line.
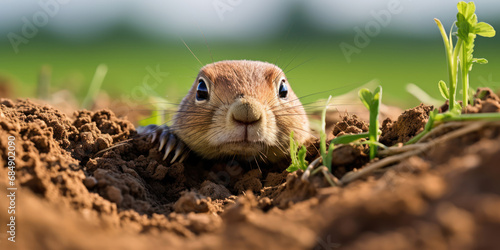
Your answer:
<point x="169" y="144"/>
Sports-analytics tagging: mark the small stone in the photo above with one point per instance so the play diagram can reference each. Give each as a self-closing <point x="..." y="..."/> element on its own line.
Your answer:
<point x="114" y="194"/>
<point x="90" y="182"/>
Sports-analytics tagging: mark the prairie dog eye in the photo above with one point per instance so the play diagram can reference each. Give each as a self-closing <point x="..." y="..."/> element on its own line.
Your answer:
<point x="283" y="89"/>
<point x="201" y="91"/>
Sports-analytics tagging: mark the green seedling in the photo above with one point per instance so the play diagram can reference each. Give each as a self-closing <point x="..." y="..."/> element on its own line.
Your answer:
<point x="326" y="155"/>
<point x="298" y="156"/>
<point x="95" y="86"/>
<point x="471" y="95"/>
<point x="443" y="89"/>
<point x="372" y="103"/>
<point x="162" y="111"/>
<point x="43" y="87"/>
<point x="421" y="95"/>
<point x="159" y="113"/>
<point x="467" y="30"/>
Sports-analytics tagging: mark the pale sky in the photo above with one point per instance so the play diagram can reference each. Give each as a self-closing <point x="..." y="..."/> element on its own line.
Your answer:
<point x="237" y="19"/>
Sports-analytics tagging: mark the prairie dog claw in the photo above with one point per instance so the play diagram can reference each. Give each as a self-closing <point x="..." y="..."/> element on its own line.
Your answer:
<point x="170" y="145"/>
<point x="178" y="151"/>
<point x="163" y="138"/>
<point x="167" y="140"/>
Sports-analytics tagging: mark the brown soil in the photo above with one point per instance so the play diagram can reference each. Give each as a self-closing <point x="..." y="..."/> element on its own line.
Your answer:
<point x="72" y="196"/>
<point x="408" y="124"/>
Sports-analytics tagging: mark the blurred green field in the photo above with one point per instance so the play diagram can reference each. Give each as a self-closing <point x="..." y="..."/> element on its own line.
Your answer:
<point x="312" y="65"/>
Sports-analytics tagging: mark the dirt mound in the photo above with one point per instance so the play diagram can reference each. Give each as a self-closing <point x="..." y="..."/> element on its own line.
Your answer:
<point x="74" y="191"/>
<point x="349" y="157"/>
<point x="409" y="124"/>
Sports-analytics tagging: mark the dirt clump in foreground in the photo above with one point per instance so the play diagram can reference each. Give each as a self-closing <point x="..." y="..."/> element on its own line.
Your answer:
<point x="73" y="195"/>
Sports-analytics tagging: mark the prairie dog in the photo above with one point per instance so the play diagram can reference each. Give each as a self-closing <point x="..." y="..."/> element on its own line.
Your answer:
<point x="235" y="109"/>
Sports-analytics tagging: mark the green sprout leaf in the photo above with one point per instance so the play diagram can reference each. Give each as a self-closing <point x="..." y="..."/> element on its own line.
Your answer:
<point x="482" y="94"/>
<point x="372" y="102"/>
<point x="346" y="139"/>
<point x="484" y="29"/>
<point x="95" y="86"/>
<point x="471" y="95"/>
<point x="302" y="158"/>
<point x="432" y="118"/>
<point x="298" y="157"/>
<point x="292" y="168"/>
<point x="158" y="114"/>
<point x="326" y="156"/>
<point x="366" y="97"/>
<point x="466" y="9"/>
<point x="468" y="28"/>
<point x="443" y="89"/>
<point x="329" y="156"/>
<point x="480" y="60"/>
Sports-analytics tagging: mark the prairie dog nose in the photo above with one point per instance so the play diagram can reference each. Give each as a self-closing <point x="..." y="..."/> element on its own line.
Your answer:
<point x="246" y="111"/>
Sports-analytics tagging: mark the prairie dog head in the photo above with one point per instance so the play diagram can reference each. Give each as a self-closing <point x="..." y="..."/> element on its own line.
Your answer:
<point x="243" y="109"/>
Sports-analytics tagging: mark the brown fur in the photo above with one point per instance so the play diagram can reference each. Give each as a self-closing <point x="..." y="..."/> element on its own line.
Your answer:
<point x="209" y="128"/>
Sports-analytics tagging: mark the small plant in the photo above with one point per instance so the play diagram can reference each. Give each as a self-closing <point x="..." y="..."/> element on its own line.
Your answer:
<point x="372" y="103"/>
<point x="298" y="156"/>
<point x="95" y="86"/>
<point x="43" y="87"/>
<point x="326" y="156"/>
<point x="459" y="55"/>
<point x="160" y="113"/>
<point x="467" y="30"/>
